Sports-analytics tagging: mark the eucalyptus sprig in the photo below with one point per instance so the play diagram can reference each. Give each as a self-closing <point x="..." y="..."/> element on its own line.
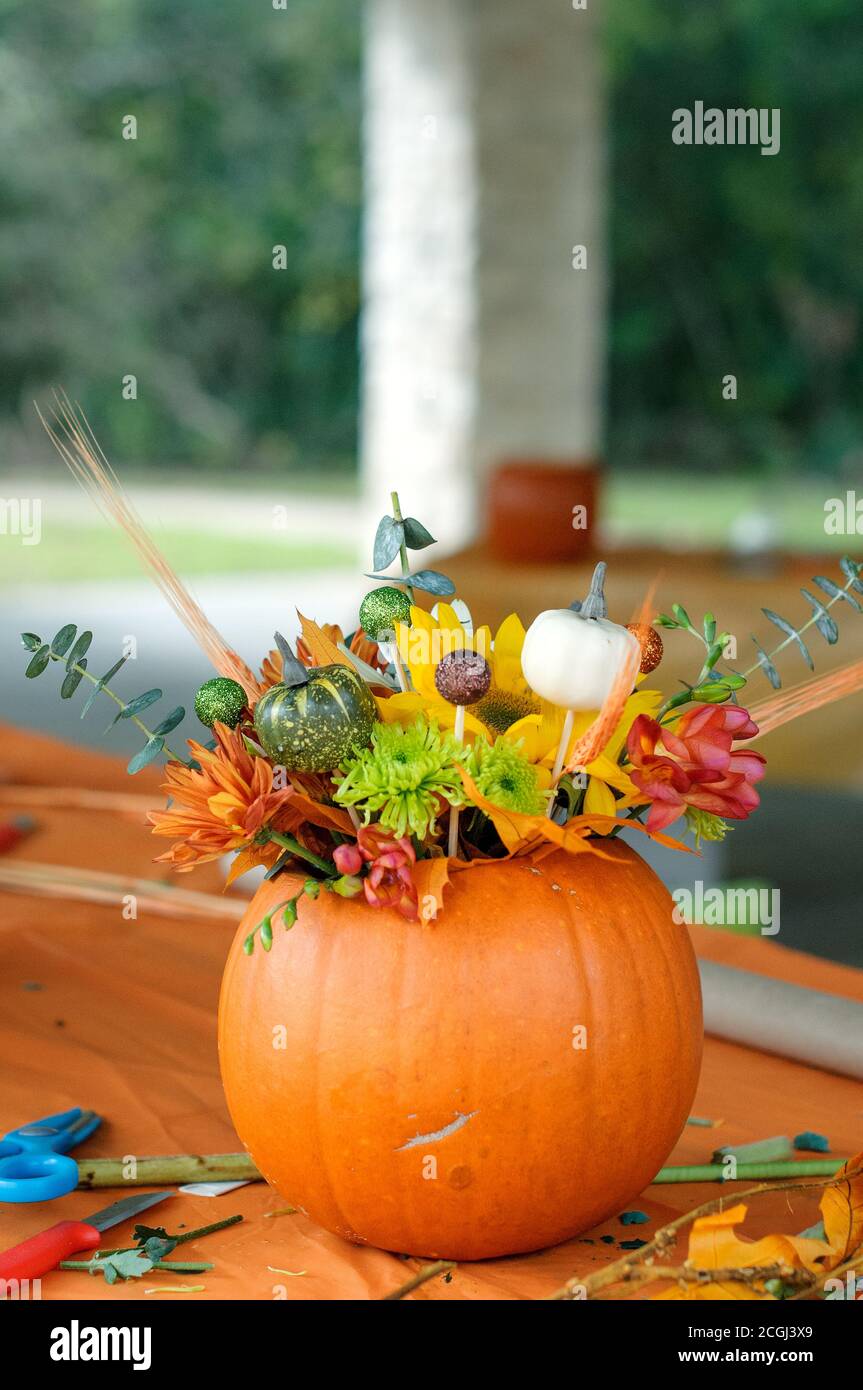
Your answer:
<point x="70" y="647"/>
<point x="711" y="687"/>
<point x="395" y="536"/>
<point x="820" y="618"/>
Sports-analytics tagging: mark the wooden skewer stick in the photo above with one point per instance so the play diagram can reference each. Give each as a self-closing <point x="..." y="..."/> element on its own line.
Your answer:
<point x="452" y="847"/>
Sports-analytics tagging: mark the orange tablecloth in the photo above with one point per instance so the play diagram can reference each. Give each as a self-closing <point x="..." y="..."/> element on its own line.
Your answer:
<point x="120" y="1016"/>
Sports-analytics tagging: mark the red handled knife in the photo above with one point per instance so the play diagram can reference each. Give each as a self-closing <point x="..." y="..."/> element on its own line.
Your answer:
<point x="41" y="1253"/>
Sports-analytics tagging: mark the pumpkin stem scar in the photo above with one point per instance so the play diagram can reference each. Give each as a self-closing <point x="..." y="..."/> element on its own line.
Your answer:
<point x="458" y="1123"/>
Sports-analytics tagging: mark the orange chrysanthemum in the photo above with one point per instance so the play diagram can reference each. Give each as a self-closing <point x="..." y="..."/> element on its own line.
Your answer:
<point x="223" y="806"/>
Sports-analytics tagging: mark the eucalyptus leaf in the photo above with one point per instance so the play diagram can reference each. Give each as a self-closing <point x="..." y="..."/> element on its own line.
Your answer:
<point x="30" y="641"/>
<point x="140" y="702"/>
<point x="767" y="666"/>
<point x="151" y="750"/>
<point x="432" y="582"/>
<point x="100" y="684"/>
<point x="81" y="646"/>
<point x="416" y="536"/>
<point x="824" y="622"/>
<point x="786" y="627"/>
<point x="39" y="662"/>
<point x="389" y="539"/>
<point x="851" y="570"/>
<point x="63" y="640"/>
<point x="828" y="587"/>
<point x="170" y="722"/>
<point x="72" y="680"/>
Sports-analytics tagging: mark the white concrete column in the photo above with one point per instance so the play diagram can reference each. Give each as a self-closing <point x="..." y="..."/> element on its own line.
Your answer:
<point x="484" y="166"/>
<point x="539" y="132"/>
<point x="419" y="248"/>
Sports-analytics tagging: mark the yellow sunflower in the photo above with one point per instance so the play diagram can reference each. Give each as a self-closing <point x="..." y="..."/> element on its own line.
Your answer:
<point x="510" y="708"/>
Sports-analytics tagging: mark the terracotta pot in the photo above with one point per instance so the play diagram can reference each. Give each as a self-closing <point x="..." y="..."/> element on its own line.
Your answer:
<point x="496" y="1081"/>
<point x="532" y="507"/>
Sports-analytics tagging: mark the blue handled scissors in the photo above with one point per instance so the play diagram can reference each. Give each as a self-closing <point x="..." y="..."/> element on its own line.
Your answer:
<point x="32" y="1163"/>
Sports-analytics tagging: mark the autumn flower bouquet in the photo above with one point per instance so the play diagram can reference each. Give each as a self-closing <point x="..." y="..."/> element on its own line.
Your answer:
<point x="483" y="971"/>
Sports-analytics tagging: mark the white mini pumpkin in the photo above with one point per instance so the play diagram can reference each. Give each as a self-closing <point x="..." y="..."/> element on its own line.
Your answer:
<point x="572" y="655"/>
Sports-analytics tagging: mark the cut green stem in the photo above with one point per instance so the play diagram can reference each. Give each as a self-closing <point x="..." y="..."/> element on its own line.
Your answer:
<point x="403" y="550"/>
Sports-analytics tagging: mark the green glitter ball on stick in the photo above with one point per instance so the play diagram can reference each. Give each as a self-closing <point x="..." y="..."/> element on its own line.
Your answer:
<point x="220" y="699"/>
<point x="381" y="609"/>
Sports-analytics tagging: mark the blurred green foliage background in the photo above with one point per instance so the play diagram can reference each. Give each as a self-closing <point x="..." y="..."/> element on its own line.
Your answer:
<point x="727" y="261"/>
<point x="155" y="256"/>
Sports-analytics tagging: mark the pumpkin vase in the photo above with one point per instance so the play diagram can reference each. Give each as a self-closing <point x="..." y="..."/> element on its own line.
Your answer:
<point x="495" y="1081"/>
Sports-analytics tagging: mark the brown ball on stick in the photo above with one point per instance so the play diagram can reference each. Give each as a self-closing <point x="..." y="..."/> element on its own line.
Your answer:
<point x="462" y="677"/>
<point x="650" y="643"/>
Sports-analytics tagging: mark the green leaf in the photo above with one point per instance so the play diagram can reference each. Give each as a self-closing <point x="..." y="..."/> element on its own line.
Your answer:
<point x="122" y="1264"/>
<point x="63" y="639"/>
<point x="709" y="628"/>
<point x="100" y="684"/>
<point x="681" y="615"/>
<point x="767" y="666"/>
<point x="835" y="592"/>
<point x="81" y="646"/>
<point x="151" y="750"/>
<point x="431" y="582"/>
<point x="72" y="680"/>
<point x="249" y="944"/>
<point x="824" y="621"/>
<point x="39" y="662"/>
<point x="389" y="538"/>
<point x="663" y="620"/>
<point x="267" y="933"/>
<point x="170" y="722"/>
<point x="31" y="641"/>
<point x="784" y="626"/>
<point x="714" y="654"/>
<point x="416" y="536"/>
<point x="140" y="702"/>
<point x="851" y="570"/>
<point x="733" y="681"/>
<point x="311" y="888"/>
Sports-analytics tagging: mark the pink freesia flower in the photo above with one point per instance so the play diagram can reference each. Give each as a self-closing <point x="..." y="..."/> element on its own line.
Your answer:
<point x="388" y="882"/>
<point x="698" y="767"/>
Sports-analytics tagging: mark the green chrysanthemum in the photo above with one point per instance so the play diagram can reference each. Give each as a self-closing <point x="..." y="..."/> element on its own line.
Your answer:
<point x="705" y="826"/>
<point x="503" y="775"/>
<point x="402" y="776"/>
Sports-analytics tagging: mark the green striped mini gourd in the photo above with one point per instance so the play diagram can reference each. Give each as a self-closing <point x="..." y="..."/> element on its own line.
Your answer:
<point x="313" y="726"/>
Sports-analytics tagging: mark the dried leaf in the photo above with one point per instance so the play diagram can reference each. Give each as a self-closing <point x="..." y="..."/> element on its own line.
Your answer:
<point x="324" y="652"/>
<point x="842" y="1210"/>
<point x="430" y="876"/>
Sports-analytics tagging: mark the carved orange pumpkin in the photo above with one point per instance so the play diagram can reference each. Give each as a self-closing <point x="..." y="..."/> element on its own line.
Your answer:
<point x="494" y="1082"/>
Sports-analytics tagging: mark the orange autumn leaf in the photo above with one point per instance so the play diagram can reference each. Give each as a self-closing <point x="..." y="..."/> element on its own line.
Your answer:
<point x="525" y="834"/>
<point x="430" y="877"/>
<point x="323" y="649"/>
<point x="842" y="1210"/>
<point x="714" y="1243"/>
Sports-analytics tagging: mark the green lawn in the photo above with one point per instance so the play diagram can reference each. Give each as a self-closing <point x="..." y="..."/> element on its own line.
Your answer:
<point x="99" y="552"/>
